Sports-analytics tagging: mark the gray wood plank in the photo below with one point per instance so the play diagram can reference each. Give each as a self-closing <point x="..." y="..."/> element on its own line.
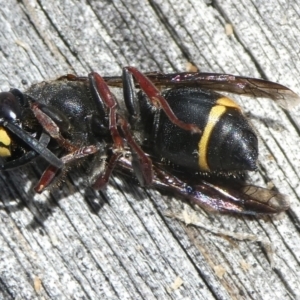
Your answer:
<point x="58" y="246"/>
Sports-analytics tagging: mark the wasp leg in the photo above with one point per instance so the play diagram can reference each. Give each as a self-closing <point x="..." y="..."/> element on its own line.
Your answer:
<point x="103" y="178"/>
<point x="51" y="127"/>
<point x="46" y="179"/>
<point x="53" y="130"/>
<point x="105" y="100"/>
<point x="142" y="164"/>
<point x="154" y="96"/>
<point x="104" y="95"/>
<point x="130" y="95"/>
<point x="72" y="77"/>
<point x="51" y="171"/>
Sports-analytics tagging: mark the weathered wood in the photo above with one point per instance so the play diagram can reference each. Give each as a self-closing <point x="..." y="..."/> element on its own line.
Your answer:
<point x="55" y="246"/>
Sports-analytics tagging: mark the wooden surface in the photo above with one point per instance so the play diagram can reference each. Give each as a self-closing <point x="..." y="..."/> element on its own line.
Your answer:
<point x="75" y="243"/>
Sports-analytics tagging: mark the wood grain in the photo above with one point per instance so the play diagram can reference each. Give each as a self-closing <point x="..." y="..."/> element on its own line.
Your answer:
<point x="75" y="243"/>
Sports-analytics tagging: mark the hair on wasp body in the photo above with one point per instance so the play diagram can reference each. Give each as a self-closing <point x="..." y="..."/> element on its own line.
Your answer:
<point x="176" y="118"/>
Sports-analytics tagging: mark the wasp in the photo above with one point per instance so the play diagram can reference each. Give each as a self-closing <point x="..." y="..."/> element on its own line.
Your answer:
<point x="170" y="131"/>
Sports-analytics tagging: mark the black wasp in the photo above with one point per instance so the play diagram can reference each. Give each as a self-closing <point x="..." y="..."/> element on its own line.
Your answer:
<point x="170" y="132"/>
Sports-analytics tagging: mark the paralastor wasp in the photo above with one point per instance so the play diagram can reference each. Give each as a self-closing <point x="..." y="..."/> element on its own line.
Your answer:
<point x="170" y="131"/>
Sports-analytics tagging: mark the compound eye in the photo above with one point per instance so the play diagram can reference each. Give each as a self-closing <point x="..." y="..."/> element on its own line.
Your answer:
<point x="9" y="106"/>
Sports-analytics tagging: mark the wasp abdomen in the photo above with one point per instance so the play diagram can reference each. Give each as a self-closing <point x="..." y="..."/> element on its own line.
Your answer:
<point x="227" y="141"/>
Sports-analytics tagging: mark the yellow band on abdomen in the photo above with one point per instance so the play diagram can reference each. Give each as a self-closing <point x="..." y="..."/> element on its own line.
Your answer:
<point x="225" y="101"/>
<point x="214" y="116"/>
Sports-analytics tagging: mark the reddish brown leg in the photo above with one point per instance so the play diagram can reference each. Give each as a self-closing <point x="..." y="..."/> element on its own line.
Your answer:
<point x="158" y="100"/>
<point x="144" y="164"/>
<point x="50" y="173"/>
<point x="51" y="127"/>
<point x="102" y="180"/>
<point x="74" y="152"/>
<point x="72" y="77"/>
<point x="53" y="130"/>
<point x="144" y="169"/>
<point x="46" y="178"/>
<point x="104" y="94"/>
<point x="105" y="100"/>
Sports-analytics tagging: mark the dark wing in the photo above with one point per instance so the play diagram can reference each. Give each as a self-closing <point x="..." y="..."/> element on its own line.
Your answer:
<point x="219" y="197"/>
<point x="222" y="82"/>
<point x="241" y="199"/>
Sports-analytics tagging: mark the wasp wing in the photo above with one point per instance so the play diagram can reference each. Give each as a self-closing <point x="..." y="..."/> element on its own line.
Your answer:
<point x="246" y="86"/>
<point x="232" y="197"/>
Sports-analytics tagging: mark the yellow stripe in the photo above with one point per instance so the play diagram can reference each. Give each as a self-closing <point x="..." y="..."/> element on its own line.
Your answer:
<point x="224" y="101"/>
<point x="214" y="116"/>
<point x="6" y="141"/>
<point x="4" y="138"/>
<point x="4" y="152"/>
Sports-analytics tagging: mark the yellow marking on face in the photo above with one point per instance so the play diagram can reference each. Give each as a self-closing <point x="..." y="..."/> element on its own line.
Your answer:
<point x="5" y="141"/>
<point x="4" y="152"/>
<point x="4" y="138"/>
<point x="224" y="101"/>
<point x="214" y="116"/>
